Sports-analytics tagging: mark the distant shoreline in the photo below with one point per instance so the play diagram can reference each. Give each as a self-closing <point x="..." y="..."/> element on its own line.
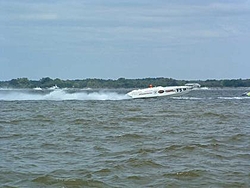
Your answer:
<point x="119" y="83"/>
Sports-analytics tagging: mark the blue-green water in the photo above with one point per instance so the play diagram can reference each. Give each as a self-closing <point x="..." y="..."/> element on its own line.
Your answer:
<point x="86" y="138"/>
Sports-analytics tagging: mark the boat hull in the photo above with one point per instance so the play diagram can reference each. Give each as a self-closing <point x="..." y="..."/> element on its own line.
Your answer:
<point x="247" y="94"/>
<point x="159" y="92"/>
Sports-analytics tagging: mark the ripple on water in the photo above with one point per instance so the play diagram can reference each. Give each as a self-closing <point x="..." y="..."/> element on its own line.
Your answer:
<point x="129" y="136"/>
<point x="49" y="180"/>
<point x="189" y="174"/>
<point x="134" y="143"/>
<point x="142" y="163"/>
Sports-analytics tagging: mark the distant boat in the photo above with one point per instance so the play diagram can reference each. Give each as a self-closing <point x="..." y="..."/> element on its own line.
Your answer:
<point x="159" y="91"/>
<point x="54" y="87"/>
<point x="37" y="88"/>
<point x="246" y="94"/>
<point x="193" y="85"/>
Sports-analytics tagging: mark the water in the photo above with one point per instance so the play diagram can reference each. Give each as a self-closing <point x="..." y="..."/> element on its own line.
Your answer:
<point x="91" y="138"/>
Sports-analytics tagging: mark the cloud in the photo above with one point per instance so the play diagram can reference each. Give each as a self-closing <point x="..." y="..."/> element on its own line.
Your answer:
<point x="142" y="23"/>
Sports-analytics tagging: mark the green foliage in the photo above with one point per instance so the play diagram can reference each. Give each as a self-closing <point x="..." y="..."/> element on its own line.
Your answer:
<point x="119" y="83"/>
<point x="20" y="83"/>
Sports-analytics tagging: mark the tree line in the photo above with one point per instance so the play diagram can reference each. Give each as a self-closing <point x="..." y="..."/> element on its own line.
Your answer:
<point x="119" y="83"/>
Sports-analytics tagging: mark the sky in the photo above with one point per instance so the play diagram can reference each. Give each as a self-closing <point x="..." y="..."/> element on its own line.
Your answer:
<point x="111" y="39"/>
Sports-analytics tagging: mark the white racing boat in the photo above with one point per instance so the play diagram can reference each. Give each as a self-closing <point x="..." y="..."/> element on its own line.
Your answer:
<point x="159" y="91"/>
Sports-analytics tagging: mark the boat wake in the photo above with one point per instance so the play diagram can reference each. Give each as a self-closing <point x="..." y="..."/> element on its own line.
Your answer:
<point x="60" y="95"/>
<point x="188" y="98"/>
<point x="211" y="98"/>
<point x="234" y="98"/>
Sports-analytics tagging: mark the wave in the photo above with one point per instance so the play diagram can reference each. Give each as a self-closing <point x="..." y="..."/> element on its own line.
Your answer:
<point x="186" y="174"/>
<point x="188" y="98"/>
<point x="49" y="180"/>
<point x="233" y="98"/>
<point x="59" y="95"/>
<point x="211" y="98"/>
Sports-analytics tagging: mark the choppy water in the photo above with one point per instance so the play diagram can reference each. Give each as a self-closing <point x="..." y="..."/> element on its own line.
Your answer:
<point x="77" y="138"/>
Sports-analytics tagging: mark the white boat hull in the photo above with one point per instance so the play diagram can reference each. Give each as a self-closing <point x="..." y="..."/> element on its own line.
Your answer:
<point x="159" y="92"/>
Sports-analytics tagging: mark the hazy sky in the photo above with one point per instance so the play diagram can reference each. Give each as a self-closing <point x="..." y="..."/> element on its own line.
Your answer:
<point x="110" y="39"/>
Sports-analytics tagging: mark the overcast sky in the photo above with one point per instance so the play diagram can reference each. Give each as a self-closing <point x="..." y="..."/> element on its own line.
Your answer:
<point x="110" y="39"/>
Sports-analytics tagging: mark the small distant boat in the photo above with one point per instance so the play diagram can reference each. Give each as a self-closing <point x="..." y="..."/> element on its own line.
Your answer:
<point x="159" y="91"/>
<point x="54" y="87"/>
<point x="37" y="88"/>
<point x="246" y="94"/>
<point x="193" y="85"/>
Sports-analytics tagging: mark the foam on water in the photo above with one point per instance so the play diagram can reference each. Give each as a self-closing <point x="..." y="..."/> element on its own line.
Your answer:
<point x="234" y="98"/>
<point x="188" y="98"/>
<point x="60" y="94"/>
<point x="200" y="98"/>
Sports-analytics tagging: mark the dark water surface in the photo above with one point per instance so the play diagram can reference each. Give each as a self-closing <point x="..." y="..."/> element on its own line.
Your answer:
<point x="102" y="139"/>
